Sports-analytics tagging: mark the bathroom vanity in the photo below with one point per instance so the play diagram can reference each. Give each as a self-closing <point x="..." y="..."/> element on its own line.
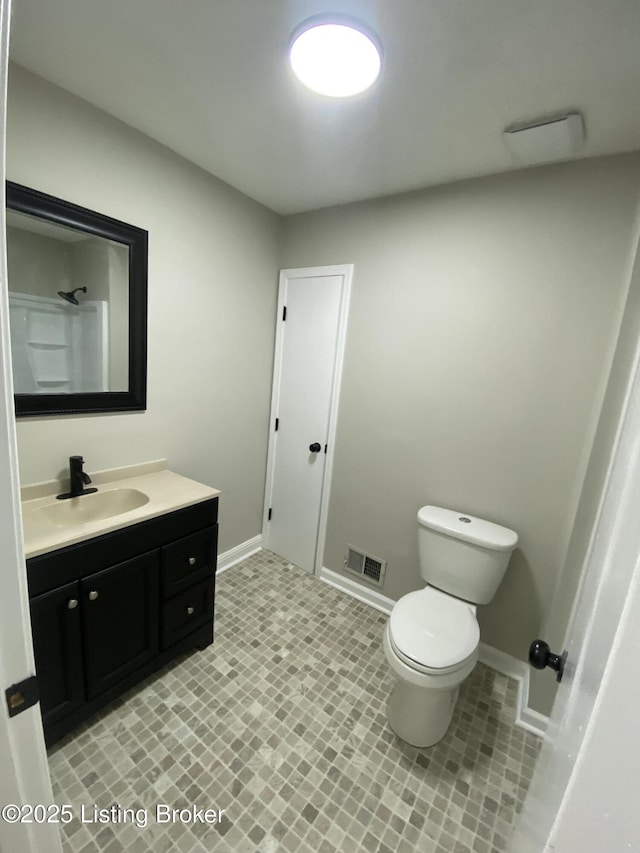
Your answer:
<point x="117" y="597"/>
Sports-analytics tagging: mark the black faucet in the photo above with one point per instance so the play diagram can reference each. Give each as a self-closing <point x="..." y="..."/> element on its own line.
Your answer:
<point x="77" y="480"/>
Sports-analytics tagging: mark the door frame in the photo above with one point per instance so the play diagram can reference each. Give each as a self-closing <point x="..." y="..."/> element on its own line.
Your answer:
<point x="346" y="271"/>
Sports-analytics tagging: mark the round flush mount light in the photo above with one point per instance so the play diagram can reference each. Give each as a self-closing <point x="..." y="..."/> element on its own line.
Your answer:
<point x="335" y="56"/>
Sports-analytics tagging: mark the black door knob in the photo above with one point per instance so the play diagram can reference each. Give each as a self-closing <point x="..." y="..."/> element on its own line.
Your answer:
<point x="315" y="447"/>
<point x="540" y="656"/>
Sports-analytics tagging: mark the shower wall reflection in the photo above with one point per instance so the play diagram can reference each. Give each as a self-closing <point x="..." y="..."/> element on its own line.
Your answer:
<point x="59" y="347"/>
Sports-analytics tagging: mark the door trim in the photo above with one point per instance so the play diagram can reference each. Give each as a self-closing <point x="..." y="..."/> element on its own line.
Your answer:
<point x="346" y="271"/>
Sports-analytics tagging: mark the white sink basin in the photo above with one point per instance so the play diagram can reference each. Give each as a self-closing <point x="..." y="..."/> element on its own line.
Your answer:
<point x="88" y="508"/>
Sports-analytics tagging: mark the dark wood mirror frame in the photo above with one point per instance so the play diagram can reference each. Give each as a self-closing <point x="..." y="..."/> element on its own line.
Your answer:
<point x="55" y="210"/>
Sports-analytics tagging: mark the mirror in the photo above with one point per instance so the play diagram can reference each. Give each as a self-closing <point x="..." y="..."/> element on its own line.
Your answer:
<point x="77" y="307"/>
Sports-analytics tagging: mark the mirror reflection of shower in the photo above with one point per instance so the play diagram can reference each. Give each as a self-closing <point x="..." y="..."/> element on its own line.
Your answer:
<point x="70" y="295"/>
<point x="59" y="347"/>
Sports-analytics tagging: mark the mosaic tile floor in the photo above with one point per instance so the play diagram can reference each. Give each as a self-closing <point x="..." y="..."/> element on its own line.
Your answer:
<point x="281" y="723"/>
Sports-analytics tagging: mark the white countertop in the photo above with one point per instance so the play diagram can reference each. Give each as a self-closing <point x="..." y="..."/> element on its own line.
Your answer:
<point x="166" y="492"/>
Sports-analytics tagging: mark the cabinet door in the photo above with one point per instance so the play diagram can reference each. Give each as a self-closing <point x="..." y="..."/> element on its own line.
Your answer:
<point x="120" y="620"/>
<point x="57" y="646"/>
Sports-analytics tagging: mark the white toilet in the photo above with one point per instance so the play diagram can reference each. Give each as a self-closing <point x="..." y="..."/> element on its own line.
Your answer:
<point x="432" y="636"/>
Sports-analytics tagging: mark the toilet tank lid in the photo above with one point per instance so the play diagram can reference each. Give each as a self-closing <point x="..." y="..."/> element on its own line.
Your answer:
<point x="459" y="525"/>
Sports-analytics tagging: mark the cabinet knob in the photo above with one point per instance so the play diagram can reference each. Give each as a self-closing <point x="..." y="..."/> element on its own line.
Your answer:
<point x="72" y="603"/>
<point x="192" y="561"/>
<point x="93" y="595"/>
<point x="190" y="611"/>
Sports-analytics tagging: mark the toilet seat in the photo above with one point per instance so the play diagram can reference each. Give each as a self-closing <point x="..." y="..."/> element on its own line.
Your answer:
<point x="433" y="632"/>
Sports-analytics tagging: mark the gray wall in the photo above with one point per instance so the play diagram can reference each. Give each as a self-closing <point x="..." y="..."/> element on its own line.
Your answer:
<point x="482" y="326"/>
<point x="212" y="294"/>
<point x="562" y="602"/>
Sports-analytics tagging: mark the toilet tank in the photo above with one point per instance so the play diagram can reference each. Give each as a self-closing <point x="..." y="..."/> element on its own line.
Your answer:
<point x="463" y="555"/>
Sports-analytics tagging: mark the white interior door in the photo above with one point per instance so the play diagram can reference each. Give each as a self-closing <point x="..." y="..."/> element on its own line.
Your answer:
<point x="24" y="779"/>
<point x="310" y="342"/>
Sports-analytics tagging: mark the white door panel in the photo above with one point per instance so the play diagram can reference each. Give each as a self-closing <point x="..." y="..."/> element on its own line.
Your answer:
<point x="307" y="362"/>
<point x="24" y="779"/>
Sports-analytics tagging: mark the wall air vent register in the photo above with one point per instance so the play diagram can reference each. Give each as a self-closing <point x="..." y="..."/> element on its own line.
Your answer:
<point x="369" y="568"/>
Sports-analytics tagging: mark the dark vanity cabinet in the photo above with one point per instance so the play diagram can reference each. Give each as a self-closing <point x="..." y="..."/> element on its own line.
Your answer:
<point x="107" y="612"/>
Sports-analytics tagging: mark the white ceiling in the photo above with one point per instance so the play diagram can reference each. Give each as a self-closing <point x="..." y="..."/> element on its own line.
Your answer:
<point x="209" y="79"/>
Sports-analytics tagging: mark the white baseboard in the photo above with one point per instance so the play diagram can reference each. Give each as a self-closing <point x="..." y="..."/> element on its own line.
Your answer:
<point x="357" y="590"/>
<point x="526" y="718"/>
<point x="239" y="553"/>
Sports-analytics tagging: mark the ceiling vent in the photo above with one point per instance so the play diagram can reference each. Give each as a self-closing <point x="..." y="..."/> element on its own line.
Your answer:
<point x="369" y="568"/>
<point x="545" y="140"/>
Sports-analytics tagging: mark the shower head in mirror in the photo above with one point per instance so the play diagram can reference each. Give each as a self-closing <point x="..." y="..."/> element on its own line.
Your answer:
<point x="70" y="295"/>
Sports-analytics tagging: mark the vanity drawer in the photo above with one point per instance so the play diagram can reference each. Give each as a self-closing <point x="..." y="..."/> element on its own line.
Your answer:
<point x="187" y="611"/>
<point x="188" y="560"/>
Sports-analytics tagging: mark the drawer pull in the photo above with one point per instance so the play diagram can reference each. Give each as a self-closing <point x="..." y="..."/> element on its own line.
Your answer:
<point x="93" y="595"/>
<point x="190" y="611"/>
<point x="72" y="603"/>
<point x="192" y="561"/>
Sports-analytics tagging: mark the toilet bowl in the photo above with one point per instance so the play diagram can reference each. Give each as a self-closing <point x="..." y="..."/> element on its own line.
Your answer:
<point x="432" y="637"/>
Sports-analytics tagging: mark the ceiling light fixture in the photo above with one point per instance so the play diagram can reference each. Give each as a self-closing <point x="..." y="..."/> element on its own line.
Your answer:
<point x="335" y="56"/>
